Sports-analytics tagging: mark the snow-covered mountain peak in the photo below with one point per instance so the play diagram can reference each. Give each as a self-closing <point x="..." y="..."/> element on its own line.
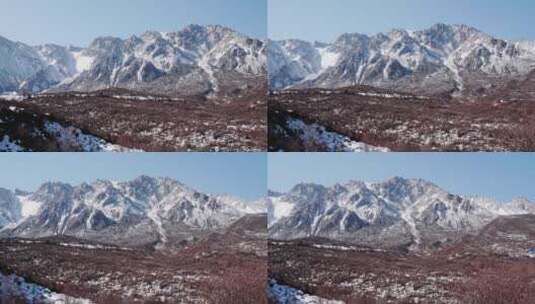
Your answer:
<point x="396" y="210"/>
<point x="307" y="189"/>
<point x="147" y="207"/>
<point x="352" y="39"/>
<point x="197" y="59"/>
<point x="249" y="207"/>
<point x="444" y="58"/>
<point x="53" y="187"/>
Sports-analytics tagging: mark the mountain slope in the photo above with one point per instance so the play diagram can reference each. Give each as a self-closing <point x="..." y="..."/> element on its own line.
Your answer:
<point x="195" y="60"/>
<point x="455" y="59"/>
<point x="142" y="211"/>
<point x="392" y="213"/>
<point x="10" y="208"/>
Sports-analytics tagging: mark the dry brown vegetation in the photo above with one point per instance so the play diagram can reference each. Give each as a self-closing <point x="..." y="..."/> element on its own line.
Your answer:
<point x="405" y="122"/>
<point x="512" y="283"/>
<point x="159" y="123"/>
<point x="467" y="272"/>
<point x="221" y="268"/>
<point x="20" y="123"/>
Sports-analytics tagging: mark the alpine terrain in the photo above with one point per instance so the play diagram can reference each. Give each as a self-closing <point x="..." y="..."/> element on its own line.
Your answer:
<point x="399" y="241"/>
<point x="211" y="74"/>
<point x="448" y="87"/>
<point x="149" y="239"/>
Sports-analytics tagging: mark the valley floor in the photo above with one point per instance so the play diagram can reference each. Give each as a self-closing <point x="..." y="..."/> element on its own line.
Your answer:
<point x="380" y="120"/>
<point x="458" y="275"/>
<point x="200" y="273"/>
<point x="120" y="120"/>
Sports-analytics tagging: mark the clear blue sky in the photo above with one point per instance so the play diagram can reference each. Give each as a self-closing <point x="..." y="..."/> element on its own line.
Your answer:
<point x="240" y="174"/>
<point x="77" y="22"/>
<point x="495" y="175"/>
<point x="323" y="20"/>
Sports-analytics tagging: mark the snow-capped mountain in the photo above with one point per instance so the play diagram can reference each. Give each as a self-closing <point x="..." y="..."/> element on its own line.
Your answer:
<point x="20" y="62"/>
<point x="444" y="58"/>
<point x="10" y="208"/>
<point x="144" y="210"/>
<point x="195" y="60"/>
<point x="395" y="212"/>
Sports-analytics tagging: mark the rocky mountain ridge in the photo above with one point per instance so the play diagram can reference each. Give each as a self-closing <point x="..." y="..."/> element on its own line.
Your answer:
<point x="457" y="60"/>
<point x="210" y="60"/>
<point x="143" y="211"/>
<point x="396" y="212"/>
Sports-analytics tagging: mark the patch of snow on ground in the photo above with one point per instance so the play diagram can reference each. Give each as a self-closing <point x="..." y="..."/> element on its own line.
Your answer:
<point x="16" y="287"/>
<point x="6" y="145"/>
<point x="11" y="96"/>
<point x="15" y="109"/>
<point x="287" y="295"/>
<point x="71" y="137"/>
<point x="314" y="133"/>
<point x="88" y="246"/>
<point x="333" y="247"/>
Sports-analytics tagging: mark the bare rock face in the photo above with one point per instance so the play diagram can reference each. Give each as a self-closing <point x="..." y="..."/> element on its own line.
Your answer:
<point x="195" y="60"/>
<point x="455" y="59"/>
<point x="393" y="213"/>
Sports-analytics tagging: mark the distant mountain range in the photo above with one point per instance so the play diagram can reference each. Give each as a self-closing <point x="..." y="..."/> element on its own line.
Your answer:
<point x="456" y="60"/>
<point x="396" y="212"/>
<point x="140" y="212"/>
<point x="196" y="60"/>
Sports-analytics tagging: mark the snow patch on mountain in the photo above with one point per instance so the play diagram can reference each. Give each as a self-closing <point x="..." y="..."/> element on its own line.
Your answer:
<point x="328" y="58"/>
<point x="29" y="206"/>
<point x="280" y="209"/>
<point x="247" y="207"/>
<point x="205" y="65"/>
<point x="406" y="215"/>
<point x="153" y="215"/>
<point x="450" y="63"/>
<point x="83" y="62"/>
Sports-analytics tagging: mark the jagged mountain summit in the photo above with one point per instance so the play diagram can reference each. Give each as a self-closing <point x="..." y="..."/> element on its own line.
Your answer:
<point x="397" y="212"/>
<point x="195" y="60"/>
<point x="143" y="211"/>
<point x="458" y="60"/>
